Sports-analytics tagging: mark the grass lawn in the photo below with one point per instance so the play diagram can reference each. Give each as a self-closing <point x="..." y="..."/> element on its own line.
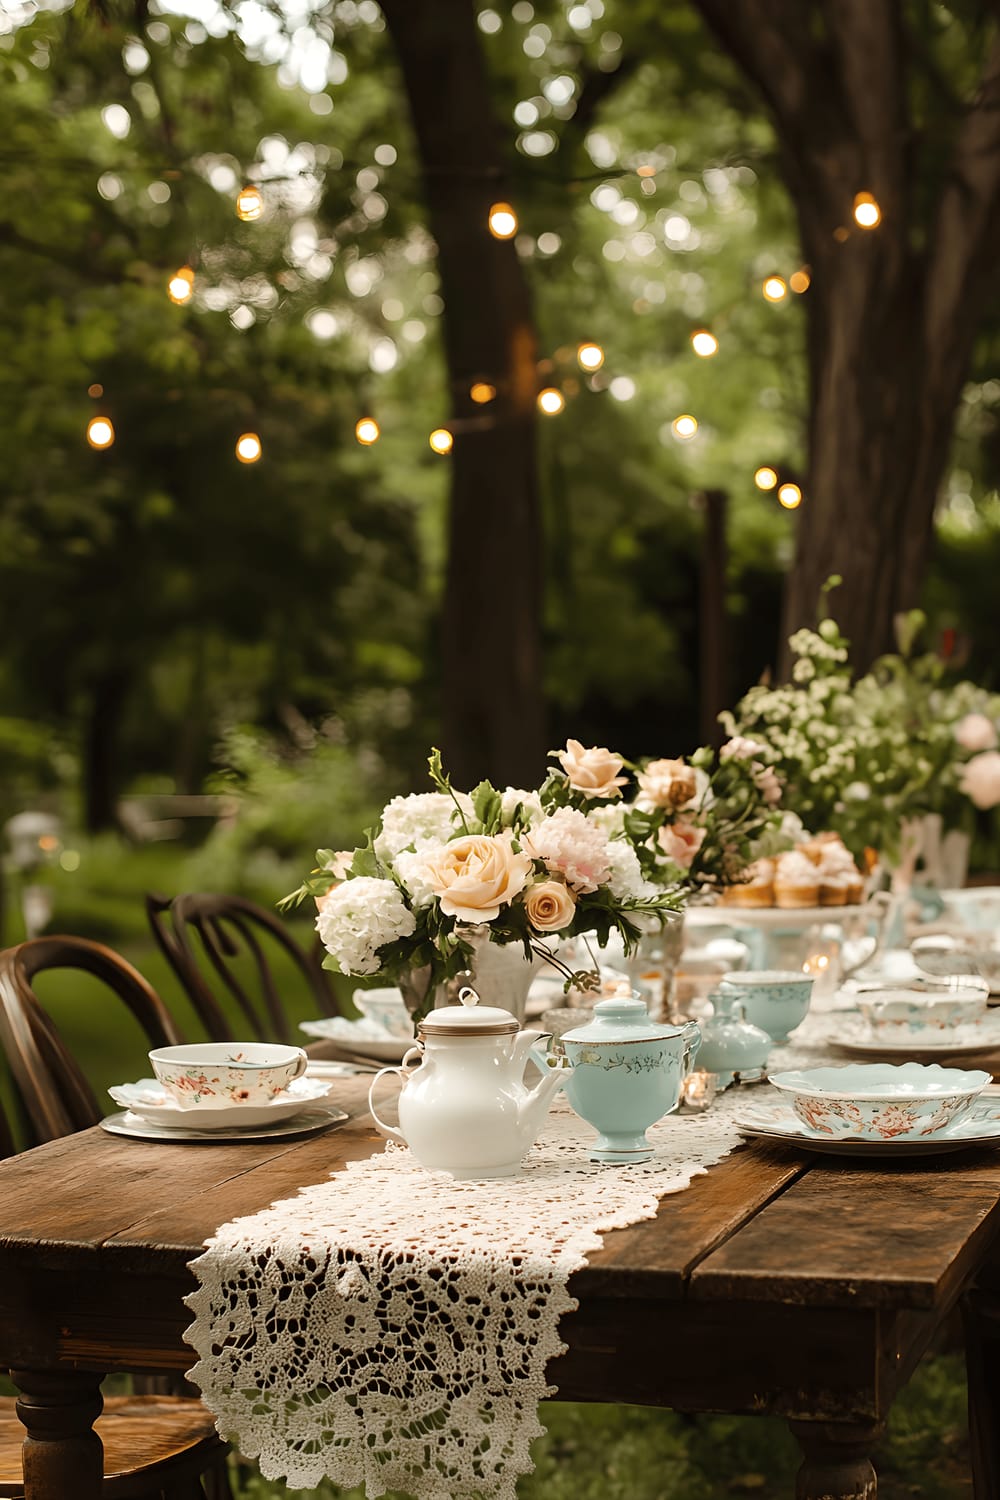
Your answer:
<point x="589" y="1452"/>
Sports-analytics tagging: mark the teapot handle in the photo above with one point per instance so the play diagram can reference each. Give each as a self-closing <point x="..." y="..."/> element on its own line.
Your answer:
<point x="691" y="1036"/>
<point x="412" y="1058"/>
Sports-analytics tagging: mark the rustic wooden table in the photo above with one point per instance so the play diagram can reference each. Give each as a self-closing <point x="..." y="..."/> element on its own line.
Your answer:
<point x="781" y="1283"/>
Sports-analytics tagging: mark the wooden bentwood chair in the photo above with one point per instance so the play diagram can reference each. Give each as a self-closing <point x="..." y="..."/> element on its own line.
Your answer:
<point x="155" y="1447"/>
<point x="229" y="928"/>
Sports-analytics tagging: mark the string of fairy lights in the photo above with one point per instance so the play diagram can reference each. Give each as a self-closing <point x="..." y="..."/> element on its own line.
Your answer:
<point x="502" y="222"/>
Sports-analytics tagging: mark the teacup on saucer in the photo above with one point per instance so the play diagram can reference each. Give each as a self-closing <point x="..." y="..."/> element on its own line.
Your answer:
<point x="216" y="1075"/>
<point x="917" y="1014"/>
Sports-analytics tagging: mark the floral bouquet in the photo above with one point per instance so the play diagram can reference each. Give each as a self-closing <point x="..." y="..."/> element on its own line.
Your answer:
<point x="867" y="758"/>
<point x="445" y="868"/>
<point x="701" y="823"/>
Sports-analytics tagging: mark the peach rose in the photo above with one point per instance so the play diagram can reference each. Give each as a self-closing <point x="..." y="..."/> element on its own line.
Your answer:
<point x="681" y="841"/>
<point x="474" y="876"/>
<point x="339" y="867"/>
<point x="668" y="783"/>
<point x="592" y="772"/>
<point x="976" y="732"/>
<point x="980" y="780"/>
<point x="549" y="905"/>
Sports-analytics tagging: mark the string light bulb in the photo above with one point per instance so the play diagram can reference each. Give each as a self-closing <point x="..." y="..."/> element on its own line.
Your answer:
<point x="441" y="440"/>
<point x="590" y="356"/>
<point x="367" y="431"/>
<point x="551" y="401"/>
<point x="800" y="281"/>
<point x="248" y="448"/>
<point x="765" y="478"/>
<point x="100" y="432"/>
<point x="790" y="496"/>
<point x="775" y="289"/>
<point x="867" y="214"/>
<point x="482" y="393"/>
<point x="502" y="221"/>
<point x="704" y="344"/>
<point x="684" y="426"/>
<point x="180" y="287"/>
<point x="249" y="203"/>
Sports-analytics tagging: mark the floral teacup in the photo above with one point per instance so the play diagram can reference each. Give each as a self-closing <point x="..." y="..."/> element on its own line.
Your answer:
<point x="879" y="1101"/>
<point x="909" y="1014"/>
<point x="217" y="1075"/>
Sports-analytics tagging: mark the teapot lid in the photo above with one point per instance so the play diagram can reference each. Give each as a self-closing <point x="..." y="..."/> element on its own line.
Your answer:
<point x="623" y="1018"/>
<point x="468" y="1019"/>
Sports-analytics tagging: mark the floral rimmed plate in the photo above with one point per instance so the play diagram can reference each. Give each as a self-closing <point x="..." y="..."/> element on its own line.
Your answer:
<point x="854" y="1038"/>
<point x="778" y="1122"/>
<point x="150" y="1101"/>
<point x="306" y="1122"/>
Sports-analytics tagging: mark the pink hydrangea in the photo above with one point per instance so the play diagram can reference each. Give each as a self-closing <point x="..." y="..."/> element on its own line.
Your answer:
<point x="571" y="846"/>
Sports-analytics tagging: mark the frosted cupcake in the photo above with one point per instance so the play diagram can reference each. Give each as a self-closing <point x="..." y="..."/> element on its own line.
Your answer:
<point x="796" y="880"/>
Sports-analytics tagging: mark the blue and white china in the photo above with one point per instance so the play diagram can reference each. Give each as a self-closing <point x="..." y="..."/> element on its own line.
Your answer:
<point x="854" y="1037"/>
<point x="881" y="1101"/>
<point x="730" y="1044"/>
<point x="387" y="1008"/>
<point x="899" y="1015"/>
<point x="465" y="1107"/>
<point x="776" y="1000"/>
<point x="779" y="1123"/>
<point x="627" y="1072"/>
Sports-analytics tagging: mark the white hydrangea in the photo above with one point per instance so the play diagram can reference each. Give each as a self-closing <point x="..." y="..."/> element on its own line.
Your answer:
<point x="572" y="845"/>
<point x="627" y="882"/>
<point x="609" y="817"/>
<point x="412" y="870"/>
<point x="420" y="820"/>
<point x="358" y="918"/>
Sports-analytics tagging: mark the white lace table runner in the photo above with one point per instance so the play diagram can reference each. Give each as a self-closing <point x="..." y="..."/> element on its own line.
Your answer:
<point x="391" y="1327"/>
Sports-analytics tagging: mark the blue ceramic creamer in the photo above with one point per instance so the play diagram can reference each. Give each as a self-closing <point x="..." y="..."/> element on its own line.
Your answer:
<point x="626" y="1074"/>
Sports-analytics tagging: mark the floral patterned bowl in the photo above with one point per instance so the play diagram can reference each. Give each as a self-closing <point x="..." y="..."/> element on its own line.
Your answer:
<point x="912" y="1014"/>
<point x="879" y="1101"/>
<point x="217" y="1075"/>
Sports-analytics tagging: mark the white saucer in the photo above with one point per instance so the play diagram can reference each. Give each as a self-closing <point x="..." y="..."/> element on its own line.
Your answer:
<point x="304" y="1123"/>
<point x="854" y="1038"/>
<point x="779" y="1122"/>
<point x="365" y="1037"/>
<point x="148" y="1100"/>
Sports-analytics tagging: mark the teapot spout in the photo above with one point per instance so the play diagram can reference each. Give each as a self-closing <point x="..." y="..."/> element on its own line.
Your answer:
<point x="533" y="1106"/>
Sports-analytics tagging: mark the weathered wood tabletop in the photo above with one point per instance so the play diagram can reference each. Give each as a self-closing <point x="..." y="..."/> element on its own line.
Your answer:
<point x="778" y="1282"/>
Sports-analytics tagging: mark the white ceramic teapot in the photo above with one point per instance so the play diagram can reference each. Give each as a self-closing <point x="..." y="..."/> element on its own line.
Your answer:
<point x="464" y="1106"/>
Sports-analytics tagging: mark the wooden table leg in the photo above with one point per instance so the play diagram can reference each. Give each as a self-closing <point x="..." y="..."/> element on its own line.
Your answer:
<point x="836" y="1460"/>
<point x="981" y="1316"/>
<point x="63" y="1454"/>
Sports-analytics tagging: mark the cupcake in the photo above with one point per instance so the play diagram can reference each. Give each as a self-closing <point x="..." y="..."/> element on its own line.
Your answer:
<point x="757" y="889"/>
<point x="839" y="881"/>
<point x="796" y="880"/>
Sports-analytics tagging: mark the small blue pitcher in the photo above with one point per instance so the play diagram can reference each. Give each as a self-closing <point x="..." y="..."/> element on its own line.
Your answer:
<point x="627" y="1072"/>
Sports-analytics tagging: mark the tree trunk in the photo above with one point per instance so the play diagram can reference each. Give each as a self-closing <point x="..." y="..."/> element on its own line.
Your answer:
<point x="892" y="311"/>
<point x="100" y="751"/>
<point x="491" y="638"/>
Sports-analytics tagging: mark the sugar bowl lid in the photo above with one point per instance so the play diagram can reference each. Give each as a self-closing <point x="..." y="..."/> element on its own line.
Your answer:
<point x="468" y="1019"/>
<point x="622" y="1018"/>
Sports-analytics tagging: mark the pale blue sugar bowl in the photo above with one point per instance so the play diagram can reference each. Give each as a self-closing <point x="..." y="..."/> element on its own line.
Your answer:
<point x="627" y="1071"/>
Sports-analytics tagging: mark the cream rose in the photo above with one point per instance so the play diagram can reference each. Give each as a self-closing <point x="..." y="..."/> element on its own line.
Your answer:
<point x="976" y="732"/>
<point x="980" y="780"/>
<point x="593" y="772"/>
<point x="681" y="841"/>
<point x="549" y="905"/>
<point x="474" y="876"/>
<point x="668" y="783"/>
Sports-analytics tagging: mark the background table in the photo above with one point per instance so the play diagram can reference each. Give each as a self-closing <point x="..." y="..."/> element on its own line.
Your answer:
<point x="778" y="1282"/>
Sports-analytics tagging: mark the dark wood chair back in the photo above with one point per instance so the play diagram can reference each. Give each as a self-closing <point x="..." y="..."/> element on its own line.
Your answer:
<point x="53" y="1090"/>
<point x="203" y="936"/>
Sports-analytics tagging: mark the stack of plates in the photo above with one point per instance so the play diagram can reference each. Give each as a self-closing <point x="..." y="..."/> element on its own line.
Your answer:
<point x="779" y="1123"/>
<point x="150" y="1114"/>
